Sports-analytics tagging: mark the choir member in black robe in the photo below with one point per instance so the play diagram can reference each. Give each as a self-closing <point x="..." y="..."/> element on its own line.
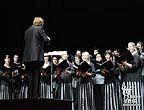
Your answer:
<point x="75" y="64"/>
<point x="111" y="101"/>
<point x="19" y="79"/>
<point x="18" y="69"/>
<point x="85" y="91"/>
<point x="98" y="81"/>
<point x="63" y="79"/>
<point x="132" y="88"/>
<point x="5" y="79"/>
<point x="141" y="54"/>
<point x="45" y="79"/>
<point x="55" y="60"/>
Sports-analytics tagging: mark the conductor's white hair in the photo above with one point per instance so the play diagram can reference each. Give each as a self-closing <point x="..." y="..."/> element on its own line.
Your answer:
<point x="38" y="21"/>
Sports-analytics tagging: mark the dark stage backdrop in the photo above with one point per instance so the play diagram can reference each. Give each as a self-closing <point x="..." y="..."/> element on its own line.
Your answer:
<point x="72" y="27"/>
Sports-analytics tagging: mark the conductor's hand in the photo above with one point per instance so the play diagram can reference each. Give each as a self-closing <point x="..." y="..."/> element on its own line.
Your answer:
<point x="48" y="38"/>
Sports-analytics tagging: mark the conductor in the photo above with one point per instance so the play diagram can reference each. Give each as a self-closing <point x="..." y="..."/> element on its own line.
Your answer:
<point x="33" y="55"/>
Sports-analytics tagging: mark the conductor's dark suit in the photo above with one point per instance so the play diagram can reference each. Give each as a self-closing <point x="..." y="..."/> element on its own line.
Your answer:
<point x="33" y="55"/>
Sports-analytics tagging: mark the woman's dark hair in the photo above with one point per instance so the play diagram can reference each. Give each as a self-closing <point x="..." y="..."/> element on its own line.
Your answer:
<point x="139" y="42"/>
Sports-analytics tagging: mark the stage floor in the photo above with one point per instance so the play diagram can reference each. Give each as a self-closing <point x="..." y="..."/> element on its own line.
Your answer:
<point x="35" y="104"/>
